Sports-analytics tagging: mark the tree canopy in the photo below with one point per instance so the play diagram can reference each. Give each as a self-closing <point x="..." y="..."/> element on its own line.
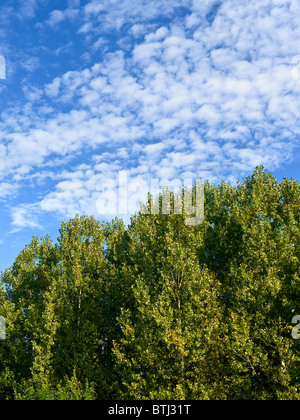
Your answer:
<point x="160" y="309"/>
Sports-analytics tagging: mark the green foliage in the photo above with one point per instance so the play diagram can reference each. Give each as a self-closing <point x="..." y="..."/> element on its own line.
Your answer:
<point x="159" y="309"/>
<point x="71" y="390"/>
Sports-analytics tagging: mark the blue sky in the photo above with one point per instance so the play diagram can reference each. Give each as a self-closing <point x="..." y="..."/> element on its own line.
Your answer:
<point x="164" y="90"/>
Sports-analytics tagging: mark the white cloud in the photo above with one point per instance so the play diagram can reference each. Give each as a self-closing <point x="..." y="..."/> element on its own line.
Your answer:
<point x="24" y="217"/>
<point x="210" y="93"/>
<point x="58" y="16"/>
<point x="114" y="14"/>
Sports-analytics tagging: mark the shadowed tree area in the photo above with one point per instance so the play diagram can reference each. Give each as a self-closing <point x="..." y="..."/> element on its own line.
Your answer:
<point x="159" y="309"/>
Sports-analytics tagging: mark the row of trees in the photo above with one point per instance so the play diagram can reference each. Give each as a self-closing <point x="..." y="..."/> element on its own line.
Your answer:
<point x="158" y="309"/>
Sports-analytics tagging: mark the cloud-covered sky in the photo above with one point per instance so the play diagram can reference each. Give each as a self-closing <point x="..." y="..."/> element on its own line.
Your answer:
<point x="169" y="89"/>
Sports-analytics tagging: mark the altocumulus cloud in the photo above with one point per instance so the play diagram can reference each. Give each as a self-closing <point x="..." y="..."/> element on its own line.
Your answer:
<point x="169" y="89"/>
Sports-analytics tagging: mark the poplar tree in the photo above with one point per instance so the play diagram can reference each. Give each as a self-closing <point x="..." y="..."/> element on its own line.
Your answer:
<point x="170" y="344"/>
<point x="160" y="309"/>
